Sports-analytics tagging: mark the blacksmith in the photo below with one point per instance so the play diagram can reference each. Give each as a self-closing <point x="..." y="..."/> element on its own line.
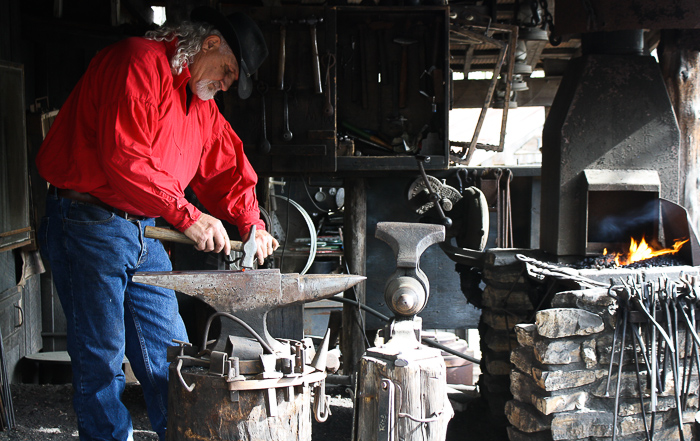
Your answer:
<point x="137" y="130"/>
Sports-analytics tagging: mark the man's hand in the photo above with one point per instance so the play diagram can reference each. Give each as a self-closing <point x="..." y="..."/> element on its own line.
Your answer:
<point x="266" y="245"/>
<point x="209" y="234"/>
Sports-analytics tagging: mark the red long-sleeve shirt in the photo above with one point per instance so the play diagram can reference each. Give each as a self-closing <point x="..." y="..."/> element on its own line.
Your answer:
<point x="126" y="136"/>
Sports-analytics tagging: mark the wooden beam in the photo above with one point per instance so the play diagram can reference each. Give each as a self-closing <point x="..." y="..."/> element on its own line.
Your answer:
<point x="604" y="15"/>
<point x="679" y="58"/>
<point x="471" y="93"/>
<point x="354" y="245"/>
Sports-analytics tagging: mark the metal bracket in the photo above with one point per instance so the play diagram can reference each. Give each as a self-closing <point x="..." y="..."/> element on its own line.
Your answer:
<point x="387" y="411"/>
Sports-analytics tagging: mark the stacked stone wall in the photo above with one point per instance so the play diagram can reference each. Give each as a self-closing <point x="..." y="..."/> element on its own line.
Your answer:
<point x="560" y="383"/>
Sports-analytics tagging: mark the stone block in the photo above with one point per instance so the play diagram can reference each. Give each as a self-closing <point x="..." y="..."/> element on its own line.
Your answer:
<point x="498" y="367"/>
<point x="592" y="299"/>
<point x="523" y="358"/>
<point x="567" y="322"/>
<point x="525" y="390"/>
<point x="525" y="417"/>
<point x="553" y="404"/>
<point x="505" y="279"/>
<point x="501" y="320"/>
<point x="557" y="379"/>
<point x="526" y="333"/>
<point x="499" y="340"/>
<point x="558" y="351"/>
<point x="523" y="387"/>
<point x="628" y="385"/>
<point x="516" y="435"/>
<point x="633" y="407"/>
<point x="582" y="424"/>
<point x="510" y="299"/>
<point x="507" y="257"/>
<point x="588" y="353"/>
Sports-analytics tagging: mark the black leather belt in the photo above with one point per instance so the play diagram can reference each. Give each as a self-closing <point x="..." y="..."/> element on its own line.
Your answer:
<point x="87" y="198"/>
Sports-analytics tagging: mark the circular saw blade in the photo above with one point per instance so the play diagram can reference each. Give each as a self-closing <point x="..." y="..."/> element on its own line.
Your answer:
<point x="449" y="195"/>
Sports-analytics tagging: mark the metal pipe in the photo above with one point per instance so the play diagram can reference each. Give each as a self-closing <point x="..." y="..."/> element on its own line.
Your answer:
<point x="435" y="344"/>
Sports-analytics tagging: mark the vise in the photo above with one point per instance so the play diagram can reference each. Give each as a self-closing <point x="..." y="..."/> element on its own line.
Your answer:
<point x="254" y="383"/>
<point x="402" y="386"/>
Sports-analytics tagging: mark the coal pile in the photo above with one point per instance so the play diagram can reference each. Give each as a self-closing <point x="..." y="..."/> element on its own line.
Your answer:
<point x="608" y="262"/>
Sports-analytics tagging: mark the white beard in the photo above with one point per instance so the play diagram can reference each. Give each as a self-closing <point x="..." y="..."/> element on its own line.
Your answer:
<point x="206" y="89"/>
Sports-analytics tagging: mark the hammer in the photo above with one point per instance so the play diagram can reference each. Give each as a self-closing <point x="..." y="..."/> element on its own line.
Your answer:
<point x="283" y="51"/>
<point x="316" y="65"/>
<point x="403" y="81"/>
<point x="248" y="248"/>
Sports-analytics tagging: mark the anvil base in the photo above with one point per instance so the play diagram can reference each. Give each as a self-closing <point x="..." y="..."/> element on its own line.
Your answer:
<point x="211" y="411"/>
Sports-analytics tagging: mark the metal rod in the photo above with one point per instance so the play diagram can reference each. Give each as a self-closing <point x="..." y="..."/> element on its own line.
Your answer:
<point x="433" y="343"/>
<point x="619" y="372"/>
<point x="639" y="382"/>
<point x="250" y="330"/>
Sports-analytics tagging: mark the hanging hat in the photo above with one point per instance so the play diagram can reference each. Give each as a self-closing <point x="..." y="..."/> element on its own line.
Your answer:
<point x="245" y="39"/>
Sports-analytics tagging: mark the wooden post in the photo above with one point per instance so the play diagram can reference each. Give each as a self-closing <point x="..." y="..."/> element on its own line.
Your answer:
<point x="679" y="57"/>
<point x="402" y="395"/>
<point x="355" y="249"/>
<point x="210" y="412"/>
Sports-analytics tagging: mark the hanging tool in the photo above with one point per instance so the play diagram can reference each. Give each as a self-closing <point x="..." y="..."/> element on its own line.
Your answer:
<point x="328" y="106"/>
<point x="315" y="65"/>
<point x="287" y="134"/>
<point x="248" y="248"/>
<point x="281" y="61"/>
<point x="403" y="80"/>
<point x="265" y="146"/>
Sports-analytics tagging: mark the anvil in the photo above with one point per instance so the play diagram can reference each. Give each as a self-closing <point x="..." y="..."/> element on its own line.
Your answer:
<point x="250" y="295"/>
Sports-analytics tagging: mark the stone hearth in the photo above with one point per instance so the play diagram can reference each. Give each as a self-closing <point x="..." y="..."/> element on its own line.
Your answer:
<point x="546" y="339"/>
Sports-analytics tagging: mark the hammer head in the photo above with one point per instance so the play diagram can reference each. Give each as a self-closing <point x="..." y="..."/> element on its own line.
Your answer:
<point x="250" y="247"/>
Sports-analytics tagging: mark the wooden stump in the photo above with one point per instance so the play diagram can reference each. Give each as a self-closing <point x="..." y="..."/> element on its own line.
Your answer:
<point x="402" y="395"/>
<point x="208" y="413"/>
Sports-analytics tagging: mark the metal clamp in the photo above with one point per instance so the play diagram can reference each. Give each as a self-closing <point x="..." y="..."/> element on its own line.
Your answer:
<point x="180" y="360"/>
<point x="322" y="406"/>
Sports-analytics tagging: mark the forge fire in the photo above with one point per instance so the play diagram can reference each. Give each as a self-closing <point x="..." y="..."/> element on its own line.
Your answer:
<point x="640" y="252"/>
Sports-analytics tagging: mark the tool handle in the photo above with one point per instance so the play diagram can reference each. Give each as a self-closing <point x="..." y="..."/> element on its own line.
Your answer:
<point x="176" y="236"/>
<point x="316" y="66"/>
<point x="282" y="57"/>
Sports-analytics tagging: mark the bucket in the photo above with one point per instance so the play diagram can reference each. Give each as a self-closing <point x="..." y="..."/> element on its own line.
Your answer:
<point x="459" y="370"/>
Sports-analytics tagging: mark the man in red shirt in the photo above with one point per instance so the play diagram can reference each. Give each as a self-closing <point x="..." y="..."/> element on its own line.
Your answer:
<point x="137" y="130"/>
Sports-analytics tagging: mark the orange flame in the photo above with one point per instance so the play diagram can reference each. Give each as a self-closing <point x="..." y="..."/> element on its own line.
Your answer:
<point x="642" y="251"/>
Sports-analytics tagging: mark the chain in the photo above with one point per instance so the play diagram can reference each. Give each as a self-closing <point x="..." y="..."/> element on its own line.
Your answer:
<point x="549" y="23"/>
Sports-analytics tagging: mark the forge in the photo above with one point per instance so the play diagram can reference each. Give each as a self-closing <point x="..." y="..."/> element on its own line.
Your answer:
<point x="572" y="351"/>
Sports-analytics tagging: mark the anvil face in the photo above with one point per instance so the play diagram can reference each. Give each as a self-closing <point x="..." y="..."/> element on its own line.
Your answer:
<point x="233" y="291"/>
<point x="251" y="294"/>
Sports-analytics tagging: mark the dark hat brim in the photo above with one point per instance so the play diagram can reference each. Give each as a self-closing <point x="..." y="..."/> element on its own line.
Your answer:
<point x="245" y="39"/>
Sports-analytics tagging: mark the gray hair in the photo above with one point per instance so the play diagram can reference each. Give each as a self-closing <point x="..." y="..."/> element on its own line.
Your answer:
<point x="190" y="39"/>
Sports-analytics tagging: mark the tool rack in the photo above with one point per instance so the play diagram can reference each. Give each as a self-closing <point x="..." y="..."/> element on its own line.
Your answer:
<point x="381" y="78"/>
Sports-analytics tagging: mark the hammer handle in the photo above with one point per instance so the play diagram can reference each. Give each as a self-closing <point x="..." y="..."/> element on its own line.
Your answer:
<point x="176" y="236"/>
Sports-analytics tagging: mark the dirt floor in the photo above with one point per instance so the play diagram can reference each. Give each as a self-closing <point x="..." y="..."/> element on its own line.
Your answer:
<point x="45" y="413"/>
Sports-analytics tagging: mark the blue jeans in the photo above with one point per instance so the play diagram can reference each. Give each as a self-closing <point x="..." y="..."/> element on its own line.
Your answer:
<point x="93" y="253"/>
